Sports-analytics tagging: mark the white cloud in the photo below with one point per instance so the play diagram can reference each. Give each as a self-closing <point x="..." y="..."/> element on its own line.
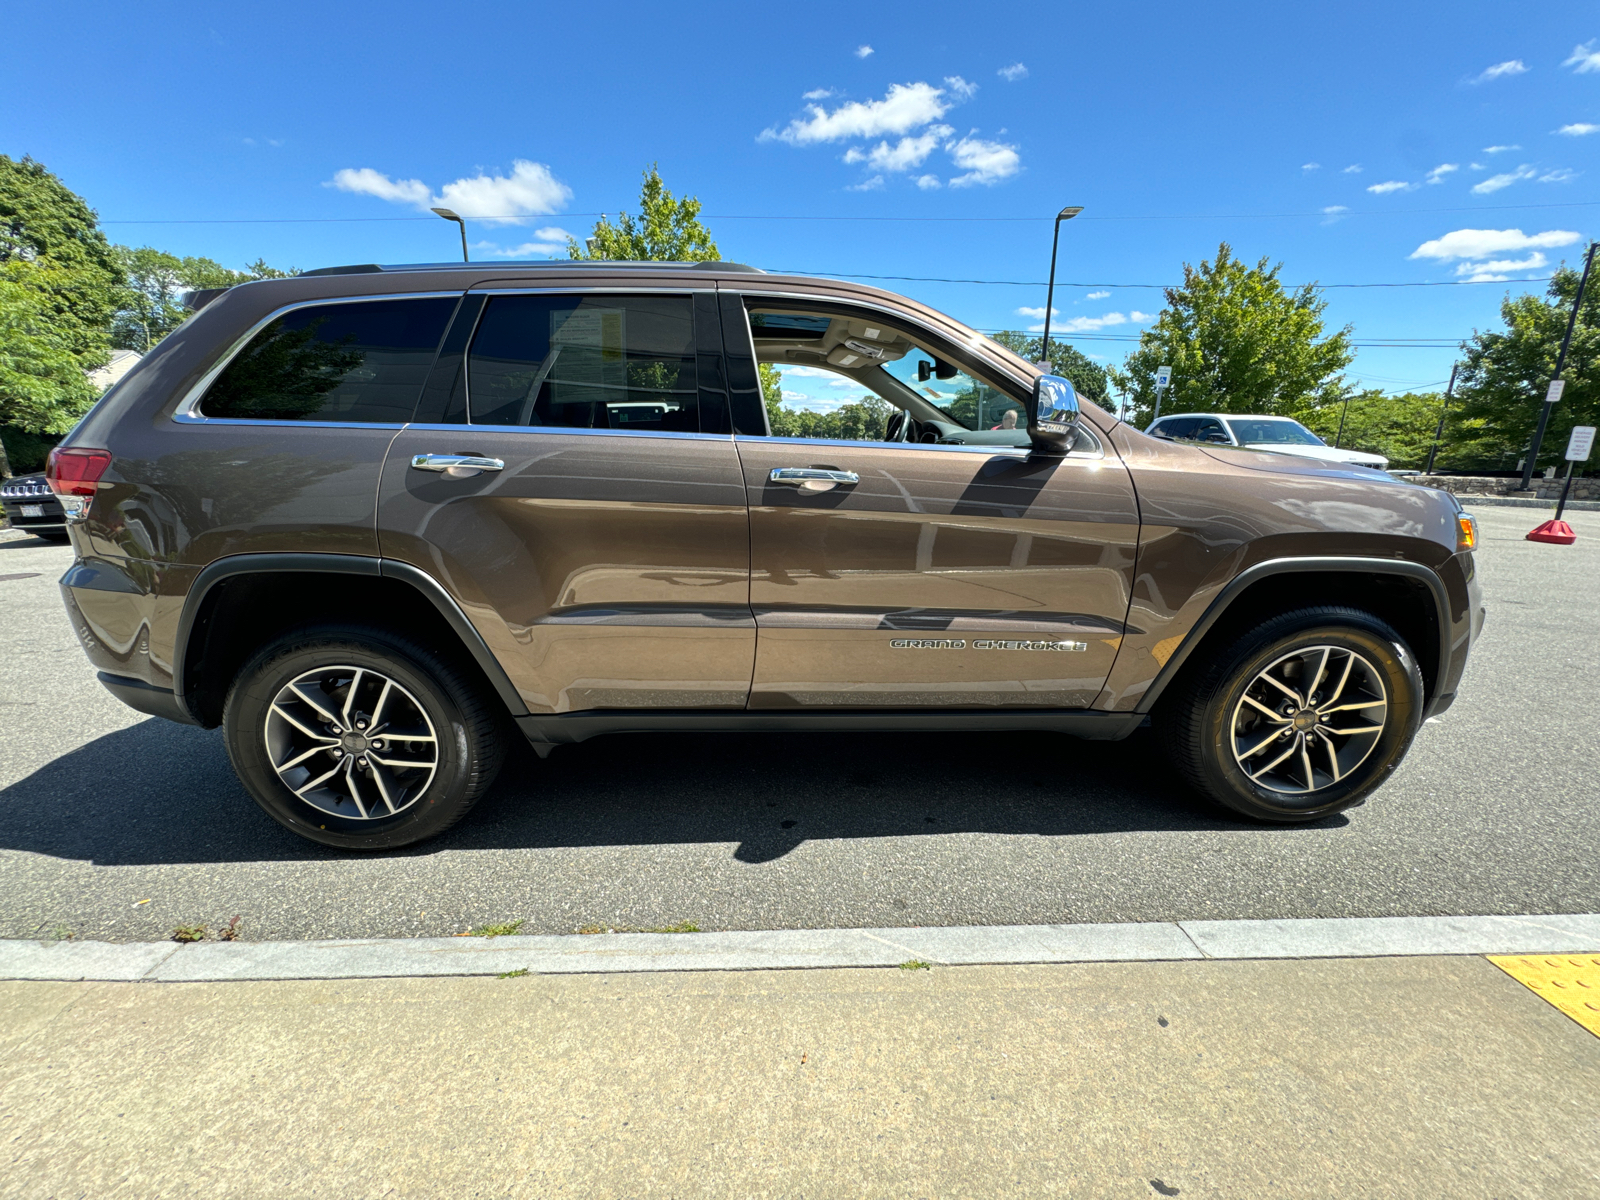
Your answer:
<point x="806" y="372"/>
<point x="1087" y="324"/>
<point x="1476" y="167"/>
<point x="838" y="381"/>
<point x="1504" y="70"/>
<point x="1531" y="263"/>
<point x="1499" y="149"/>
<point x="864" y="51"/>
<point x="1486" y="243"/>
<point x="907" y="153"/>
<point x="1311" y="166"/>
<point x="795" y="396"/>
<point x="1392" y="185"/>
<point x="905" y="107"/>
<point x="867" y="185"/>
<point x="959" y="87"/>
<point x="530" y="190"/>
<point x="1013" y="73"/>
<point x="817" y="94"/>
<point x="984" y="162"/>
<point x="1560" y="175"/>
<point x="1333" y="214"/>
<point x="1097" y="295"/>
<point x="366" y="181"/>
<point x="1495" y="182"/>
<point x="1438" y="173"/>
<point x="1352" y="169"/>
<point x="1037" y="314"/>
<point x="1585" y="59"/>
<point x="551" y="240"/>
<point x="1579" y="129"/>
<point x="1335" y="208"/>
<point x="928" y="182"/>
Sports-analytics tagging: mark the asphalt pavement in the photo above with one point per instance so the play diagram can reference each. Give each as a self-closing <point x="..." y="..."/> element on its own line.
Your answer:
<point x="119" y="827"/>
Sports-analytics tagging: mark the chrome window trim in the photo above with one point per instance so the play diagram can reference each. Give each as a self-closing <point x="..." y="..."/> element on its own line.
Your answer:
<point x="1017" y="452"/>
<point x="466" y="431"/>
<point x="188" y="410"/>
<point x="480" y="289"/>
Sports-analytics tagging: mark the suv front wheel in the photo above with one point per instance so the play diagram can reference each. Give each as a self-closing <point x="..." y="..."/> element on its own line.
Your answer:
<point x="1299" y="718"/>
<point x="360" y="739"/>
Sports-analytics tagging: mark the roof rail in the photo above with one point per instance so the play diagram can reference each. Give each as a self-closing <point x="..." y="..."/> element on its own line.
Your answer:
<point x="544" y="263"/>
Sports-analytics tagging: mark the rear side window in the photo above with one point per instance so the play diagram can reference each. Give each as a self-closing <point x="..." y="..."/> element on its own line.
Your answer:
<point x="360" y="361"/>
<point x="1178" y="427"/>
<point x="586" y="361"/>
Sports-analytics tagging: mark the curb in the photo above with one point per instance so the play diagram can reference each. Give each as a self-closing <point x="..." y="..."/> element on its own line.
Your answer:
<point x="1470" y="502"/>
<point x="790" y="949"/>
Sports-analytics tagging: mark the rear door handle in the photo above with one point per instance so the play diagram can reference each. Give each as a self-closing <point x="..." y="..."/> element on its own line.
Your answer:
<point x="813" y="479"/>
<point x="456" y="462"/>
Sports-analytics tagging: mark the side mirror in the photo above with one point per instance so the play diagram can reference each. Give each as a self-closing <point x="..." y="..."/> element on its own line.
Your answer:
<point x="1053" y="414"/>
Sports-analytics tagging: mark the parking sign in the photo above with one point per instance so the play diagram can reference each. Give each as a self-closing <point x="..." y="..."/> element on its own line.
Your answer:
<point x="1580" y="443"/>
<point x="1163" y="376"/>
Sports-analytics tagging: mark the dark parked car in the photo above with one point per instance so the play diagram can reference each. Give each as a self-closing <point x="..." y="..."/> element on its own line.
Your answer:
<point x="373" y="521"/>
<point x="31" y="506"/>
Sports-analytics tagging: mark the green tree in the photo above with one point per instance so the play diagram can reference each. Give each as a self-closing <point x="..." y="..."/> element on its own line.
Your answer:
<point x="1502" y="382"/>
<point x="1398" y="427"/>
<point x="1238" y="341"/>
<point x="150" y="308"/>
<point x="60" y="284"/>
<point x="1088" y="377"/>
<point x="666" y="230"/>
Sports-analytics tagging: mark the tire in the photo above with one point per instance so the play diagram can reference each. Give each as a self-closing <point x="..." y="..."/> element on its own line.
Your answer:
<point x="405" y="792"/>
<point x="1222" y="741"/>
<point x="59" y="536"/>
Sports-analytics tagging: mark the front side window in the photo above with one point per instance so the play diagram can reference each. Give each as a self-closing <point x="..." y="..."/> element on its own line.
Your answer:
<point x="1184" y="428"/>
<point x="360" y="361"/>
<point x="589" y="361"/>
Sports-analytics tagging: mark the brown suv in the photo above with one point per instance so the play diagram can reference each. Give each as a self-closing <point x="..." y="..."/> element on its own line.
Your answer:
<point x="369" y="518"/>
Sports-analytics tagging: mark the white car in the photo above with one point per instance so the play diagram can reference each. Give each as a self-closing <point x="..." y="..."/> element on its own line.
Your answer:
<point x="1279" y="434"/>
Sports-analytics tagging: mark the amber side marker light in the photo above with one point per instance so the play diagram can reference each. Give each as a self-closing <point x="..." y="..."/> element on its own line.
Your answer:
<point x="73" y="473"/>
<point x="1466" y="532"/>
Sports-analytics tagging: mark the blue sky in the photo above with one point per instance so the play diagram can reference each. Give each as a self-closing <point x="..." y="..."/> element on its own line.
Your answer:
<point x="1358" y="144"/>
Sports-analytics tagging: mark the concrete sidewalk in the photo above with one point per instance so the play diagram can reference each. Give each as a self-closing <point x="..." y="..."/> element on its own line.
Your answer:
<point x="1405" y="1077"/>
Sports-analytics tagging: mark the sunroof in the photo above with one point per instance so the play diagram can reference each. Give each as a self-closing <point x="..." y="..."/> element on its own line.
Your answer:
<point x="787" y="325"/>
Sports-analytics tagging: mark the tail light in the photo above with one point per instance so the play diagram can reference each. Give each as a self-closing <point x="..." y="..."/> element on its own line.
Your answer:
<point x="73" y="474"/>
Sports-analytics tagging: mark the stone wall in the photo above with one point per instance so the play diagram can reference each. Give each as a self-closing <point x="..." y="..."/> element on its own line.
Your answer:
<point x="1583" y="487"/>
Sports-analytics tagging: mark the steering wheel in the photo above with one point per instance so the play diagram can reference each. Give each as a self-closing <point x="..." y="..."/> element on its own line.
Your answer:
<point x="895" y="430"/>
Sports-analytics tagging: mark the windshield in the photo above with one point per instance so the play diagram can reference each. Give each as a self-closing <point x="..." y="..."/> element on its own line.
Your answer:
<point x="1279" y="433"/>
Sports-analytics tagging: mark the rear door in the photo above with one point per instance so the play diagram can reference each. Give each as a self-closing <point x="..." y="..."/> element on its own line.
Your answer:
<point x="606" y="562"/>
<point x="930" y="575"/>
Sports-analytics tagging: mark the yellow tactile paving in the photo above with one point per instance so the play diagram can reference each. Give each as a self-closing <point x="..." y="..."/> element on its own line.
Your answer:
<point x="1571" y="982"/>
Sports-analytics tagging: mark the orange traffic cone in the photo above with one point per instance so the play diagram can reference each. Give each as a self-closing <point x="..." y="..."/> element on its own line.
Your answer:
<point x="1556" y="532"/>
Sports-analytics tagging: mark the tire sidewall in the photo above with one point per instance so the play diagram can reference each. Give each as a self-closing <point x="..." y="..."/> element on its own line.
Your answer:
<point x="1402" y="681"/>
<point x="244" y="724"/>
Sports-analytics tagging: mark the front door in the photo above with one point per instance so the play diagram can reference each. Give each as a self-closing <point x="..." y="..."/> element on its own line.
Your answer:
<point x="924" y="573"/>
<point x="606" y="562"/>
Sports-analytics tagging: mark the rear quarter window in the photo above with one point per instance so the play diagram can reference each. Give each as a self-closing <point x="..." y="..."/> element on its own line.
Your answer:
<point x="359" y="361"/>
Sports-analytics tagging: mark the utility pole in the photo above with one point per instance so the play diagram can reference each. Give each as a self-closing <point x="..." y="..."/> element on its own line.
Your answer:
<point x="1343" y="413"/>
<point x="1438" y="431"/>
<point x="1066" y="214"/>
<point x="1557" y="384"/>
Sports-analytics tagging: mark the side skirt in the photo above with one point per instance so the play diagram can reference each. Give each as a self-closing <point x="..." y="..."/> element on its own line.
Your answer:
<point x="545" y="731"/>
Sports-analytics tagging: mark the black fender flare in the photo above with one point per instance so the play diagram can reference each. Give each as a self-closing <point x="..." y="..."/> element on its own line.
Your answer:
<point x="340" y="564"/>
<point x="1306" y="566"/>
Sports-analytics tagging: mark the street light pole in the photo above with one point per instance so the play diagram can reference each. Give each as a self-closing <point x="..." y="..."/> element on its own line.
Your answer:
<point x="450" y="216"/>
<point x="1561" y="359"/>
<point x="1438" y="431"/>
<point x="1066" y="214"/>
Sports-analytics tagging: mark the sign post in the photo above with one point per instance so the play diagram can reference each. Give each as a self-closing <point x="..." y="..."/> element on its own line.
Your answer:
<point x="1163" y="381"/>
<point x="1579" y="446"/>
<point x="1556" y="384"/>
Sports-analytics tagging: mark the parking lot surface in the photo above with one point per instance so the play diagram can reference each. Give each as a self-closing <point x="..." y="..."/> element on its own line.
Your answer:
<point x="121" y="827"/>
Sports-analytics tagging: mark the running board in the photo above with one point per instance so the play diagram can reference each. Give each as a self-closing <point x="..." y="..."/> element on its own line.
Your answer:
<point x="547" y="730"/>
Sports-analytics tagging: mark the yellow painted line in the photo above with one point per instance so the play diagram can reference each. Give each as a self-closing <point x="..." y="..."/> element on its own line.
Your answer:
<point x="1571" y="982"/>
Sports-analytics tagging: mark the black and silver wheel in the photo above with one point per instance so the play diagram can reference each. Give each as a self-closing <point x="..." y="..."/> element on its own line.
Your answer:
<point x="1298" y="718"/>
<point x="360" y="739"/>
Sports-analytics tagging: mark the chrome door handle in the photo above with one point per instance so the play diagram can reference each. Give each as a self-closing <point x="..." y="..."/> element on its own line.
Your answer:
<point x="812" y="479"/>
<point x="456" y="462"/>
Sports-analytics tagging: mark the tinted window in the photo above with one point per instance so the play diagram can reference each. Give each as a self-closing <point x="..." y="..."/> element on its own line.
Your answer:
<point x="358" y="361"/>
<point x="589" y="361"/>
<point x="1177" y="427"/>
<point x="1283" y="433"/>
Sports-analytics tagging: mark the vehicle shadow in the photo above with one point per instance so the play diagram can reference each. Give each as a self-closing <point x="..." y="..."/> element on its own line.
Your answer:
<point x="160" y="793"/>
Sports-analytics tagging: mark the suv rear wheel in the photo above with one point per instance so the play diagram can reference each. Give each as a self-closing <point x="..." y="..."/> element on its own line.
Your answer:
<point x="1300" y="717"/>
<point x="359" y="738"/>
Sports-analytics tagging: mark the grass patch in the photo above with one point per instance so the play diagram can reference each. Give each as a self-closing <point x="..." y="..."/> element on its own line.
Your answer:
<point x="494" y="931"/>
<point x="62" y="934"/>
<point x="189" y="933"/>
<point x="915" y="964"/>
<point x="517" y="974"/>
<point x="680" y="927"/>
<point x="230" y="931"/>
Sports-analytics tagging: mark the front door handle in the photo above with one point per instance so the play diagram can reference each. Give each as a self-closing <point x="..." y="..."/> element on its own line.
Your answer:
<point x="456" y="463"/>
<point x="813" y="479"/>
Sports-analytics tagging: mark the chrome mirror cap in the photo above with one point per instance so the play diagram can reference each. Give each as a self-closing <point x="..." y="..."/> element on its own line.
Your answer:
<point x="1053" y="415"/>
